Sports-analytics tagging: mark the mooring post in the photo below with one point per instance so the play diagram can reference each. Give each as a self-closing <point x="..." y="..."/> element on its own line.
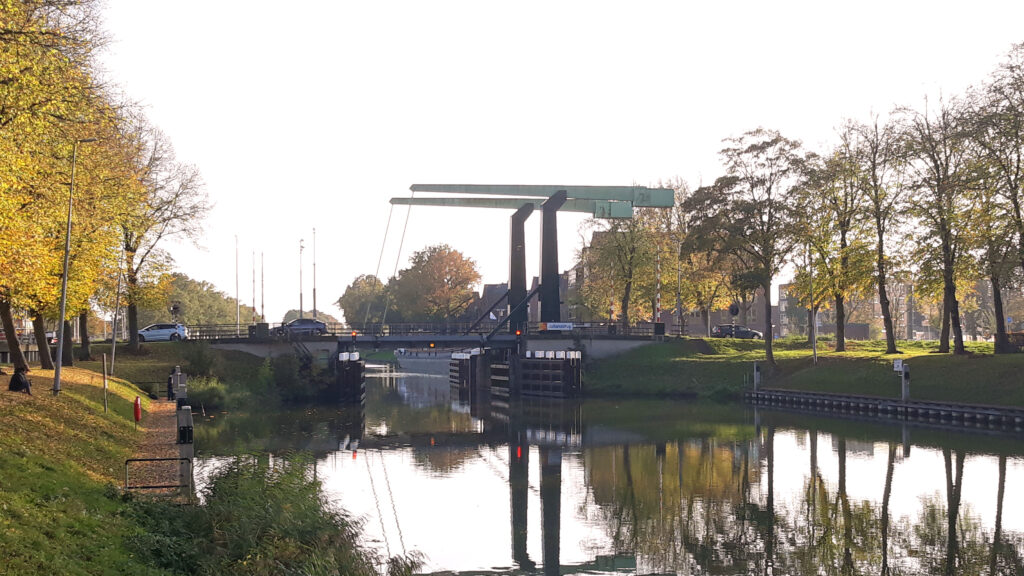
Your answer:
<point x="905" y="380"/>
<point x="757" y="376"/>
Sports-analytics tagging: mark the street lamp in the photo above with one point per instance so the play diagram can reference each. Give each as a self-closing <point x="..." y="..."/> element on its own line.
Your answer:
<point x="64" y="276"/>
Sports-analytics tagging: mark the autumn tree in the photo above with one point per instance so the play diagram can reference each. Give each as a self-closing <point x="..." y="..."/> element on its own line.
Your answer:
<point x="829" y="216"/>
<point x="939" y="148"/>
<point x="999" y="132"/>
<point x="619" y="256"/>
<point x="174" y="205"/>
<point x="438" y="286"/>
<point x="881" y="159"/>
<point x="46" y="49"/>
<point x="752" y="208"/>
<point x="363" y="301"/>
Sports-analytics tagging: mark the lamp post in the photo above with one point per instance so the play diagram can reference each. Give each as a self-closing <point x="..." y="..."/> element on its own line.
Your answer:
<point x="301" y="247"/>
<point x="64" y="276"/>
<point x="314" y="273"/>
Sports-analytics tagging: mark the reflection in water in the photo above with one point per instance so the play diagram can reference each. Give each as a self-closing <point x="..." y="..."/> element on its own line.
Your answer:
<point x="559" y="487"/>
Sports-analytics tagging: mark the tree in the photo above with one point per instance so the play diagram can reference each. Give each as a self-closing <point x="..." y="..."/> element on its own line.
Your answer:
<point x="175" y="204"/>
<point x="363" y="301"/>
<point x="830" y="211"/>
<point x="880" y="157"/>
<point x="999" y="132"/>
<point x="940" y="166"/>
<point x="438" y="286"/>
<point x="320" y="315"/>
<point x="46" y="49"/>
<point x="616" y="260"/>
<point x="751" y="209"/>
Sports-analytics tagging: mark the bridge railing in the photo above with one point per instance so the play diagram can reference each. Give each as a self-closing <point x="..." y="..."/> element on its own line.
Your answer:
<point x="592" y="329"/>
<point x="411" y="328"/>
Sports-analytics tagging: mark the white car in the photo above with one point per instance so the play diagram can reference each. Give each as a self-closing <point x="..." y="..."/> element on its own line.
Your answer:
<point x="159" y="332"/>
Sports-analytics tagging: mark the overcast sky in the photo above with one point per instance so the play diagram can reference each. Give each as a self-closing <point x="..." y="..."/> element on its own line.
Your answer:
<point x="305" y="115"/>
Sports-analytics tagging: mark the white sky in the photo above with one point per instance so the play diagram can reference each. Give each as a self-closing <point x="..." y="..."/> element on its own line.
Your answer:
<point x="314" y="114"/>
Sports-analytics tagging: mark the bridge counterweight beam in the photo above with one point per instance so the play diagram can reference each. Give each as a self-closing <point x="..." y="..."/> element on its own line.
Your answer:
<point x="517" y="268"/>
<point x="549" y="278"/>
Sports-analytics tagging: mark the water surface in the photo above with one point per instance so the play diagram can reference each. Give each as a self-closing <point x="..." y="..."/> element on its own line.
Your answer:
<point x="479" y="486"/>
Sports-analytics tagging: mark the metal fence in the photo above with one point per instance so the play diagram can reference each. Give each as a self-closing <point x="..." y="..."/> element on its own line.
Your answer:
<point x="338" y="329"/>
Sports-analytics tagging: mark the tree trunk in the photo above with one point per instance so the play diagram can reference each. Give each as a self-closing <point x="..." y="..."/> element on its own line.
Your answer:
<point x="1002" y="343"/>
<point x="997" y="536"/>
<point x="844" y="501"/>
<point x="84" y="353"/>
<point x="133" y="328"/>
<point x="810" y="325"/>
<point x="886" y="494"/>
<point x="768" y="335"/>
<point x="840" y="297"/>
<point x="883" y="297"/>
<point x="840" y="323"/>
<point x="66" y="356"/>
<point x="954" y="320"/>
<point x="769" y="541"/>
<point x="13" y="344"/>
<point x="705" y="313"/>
<point x="39" y="328"/>
<point x="952" y="508"/>
<point x="944" y="327"/>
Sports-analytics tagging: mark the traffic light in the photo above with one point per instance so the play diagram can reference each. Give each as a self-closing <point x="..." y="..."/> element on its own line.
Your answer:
<point x="431" y="344"/>
<point x="353" y="336"/>
<point x="519" y="342"/>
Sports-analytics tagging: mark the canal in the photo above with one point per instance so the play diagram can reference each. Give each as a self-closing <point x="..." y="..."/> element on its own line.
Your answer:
<point x="480" y="486"/>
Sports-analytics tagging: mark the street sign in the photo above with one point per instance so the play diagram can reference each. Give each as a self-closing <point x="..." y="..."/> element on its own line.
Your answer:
<point x="555" y="326"/>
<point x="897" y="365"/>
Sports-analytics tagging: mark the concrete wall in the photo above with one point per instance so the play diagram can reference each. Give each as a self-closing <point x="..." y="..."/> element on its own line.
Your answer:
<point x="274" y="349"/>
<point x="593" y="348"/>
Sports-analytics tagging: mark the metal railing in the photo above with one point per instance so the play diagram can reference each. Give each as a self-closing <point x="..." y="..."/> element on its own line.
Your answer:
<point x="339" y="329"/>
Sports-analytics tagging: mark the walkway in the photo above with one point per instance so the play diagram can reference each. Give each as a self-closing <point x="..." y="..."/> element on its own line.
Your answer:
<point x="159" y="441"/>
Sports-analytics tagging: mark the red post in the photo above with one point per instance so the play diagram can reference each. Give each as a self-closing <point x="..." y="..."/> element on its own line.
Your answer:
<point x="138" y="411"/>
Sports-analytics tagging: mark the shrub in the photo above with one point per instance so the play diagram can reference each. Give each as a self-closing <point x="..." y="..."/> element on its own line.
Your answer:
<point x="259" y="518"/>
<point x="199" y="358"/>
<point x="207" y="392"/>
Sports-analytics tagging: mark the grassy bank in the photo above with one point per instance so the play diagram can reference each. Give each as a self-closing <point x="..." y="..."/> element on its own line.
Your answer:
<point x="60" y="458"/>
<point x="62" y="510"/>
<point x="717" y="368"/>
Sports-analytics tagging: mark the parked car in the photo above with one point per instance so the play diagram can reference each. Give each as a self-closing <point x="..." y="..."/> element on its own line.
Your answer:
<point x="730" y="331"/>
<point x="302" y="327"/>
<point x="159" y="332"/>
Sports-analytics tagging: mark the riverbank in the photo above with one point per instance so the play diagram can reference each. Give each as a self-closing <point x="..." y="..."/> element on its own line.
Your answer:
<point x="61" y="460"/>
<point x="722" y="369"/>
<point x="63" y="511"/>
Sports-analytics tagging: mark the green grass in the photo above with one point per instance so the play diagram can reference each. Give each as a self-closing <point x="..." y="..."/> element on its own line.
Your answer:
<point x="718" y="367"/>
<point x="59" y="460"/>
<point x="150" y="368"/>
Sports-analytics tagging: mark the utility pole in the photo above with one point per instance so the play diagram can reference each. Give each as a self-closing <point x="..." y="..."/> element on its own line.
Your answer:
<point x="254" y="287"/>
<point x="238" y="309"/>
<point x="679" y="293"/>
<point x="301" y="248"/>
<point x="263" y="311"/>
<point x="314" y="273"/>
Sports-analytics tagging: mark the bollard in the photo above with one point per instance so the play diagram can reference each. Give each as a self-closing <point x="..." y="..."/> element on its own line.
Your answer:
<point x="757" y="376"/>
<point x="185" y="426"/>
<point x="905" y="380"/>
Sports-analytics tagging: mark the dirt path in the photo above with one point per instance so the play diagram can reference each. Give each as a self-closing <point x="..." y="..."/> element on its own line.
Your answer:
<point x="159" y="441"/>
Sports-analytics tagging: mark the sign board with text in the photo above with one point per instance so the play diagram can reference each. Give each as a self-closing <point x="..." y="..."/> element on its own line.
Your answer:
<point x="555" y="326"/>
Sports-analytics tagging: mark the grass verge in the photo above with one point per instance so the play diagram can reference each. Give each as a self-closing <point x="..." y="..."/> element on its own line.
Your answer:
<point x="60" y="460"/>
<point x="721" y="368"/>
